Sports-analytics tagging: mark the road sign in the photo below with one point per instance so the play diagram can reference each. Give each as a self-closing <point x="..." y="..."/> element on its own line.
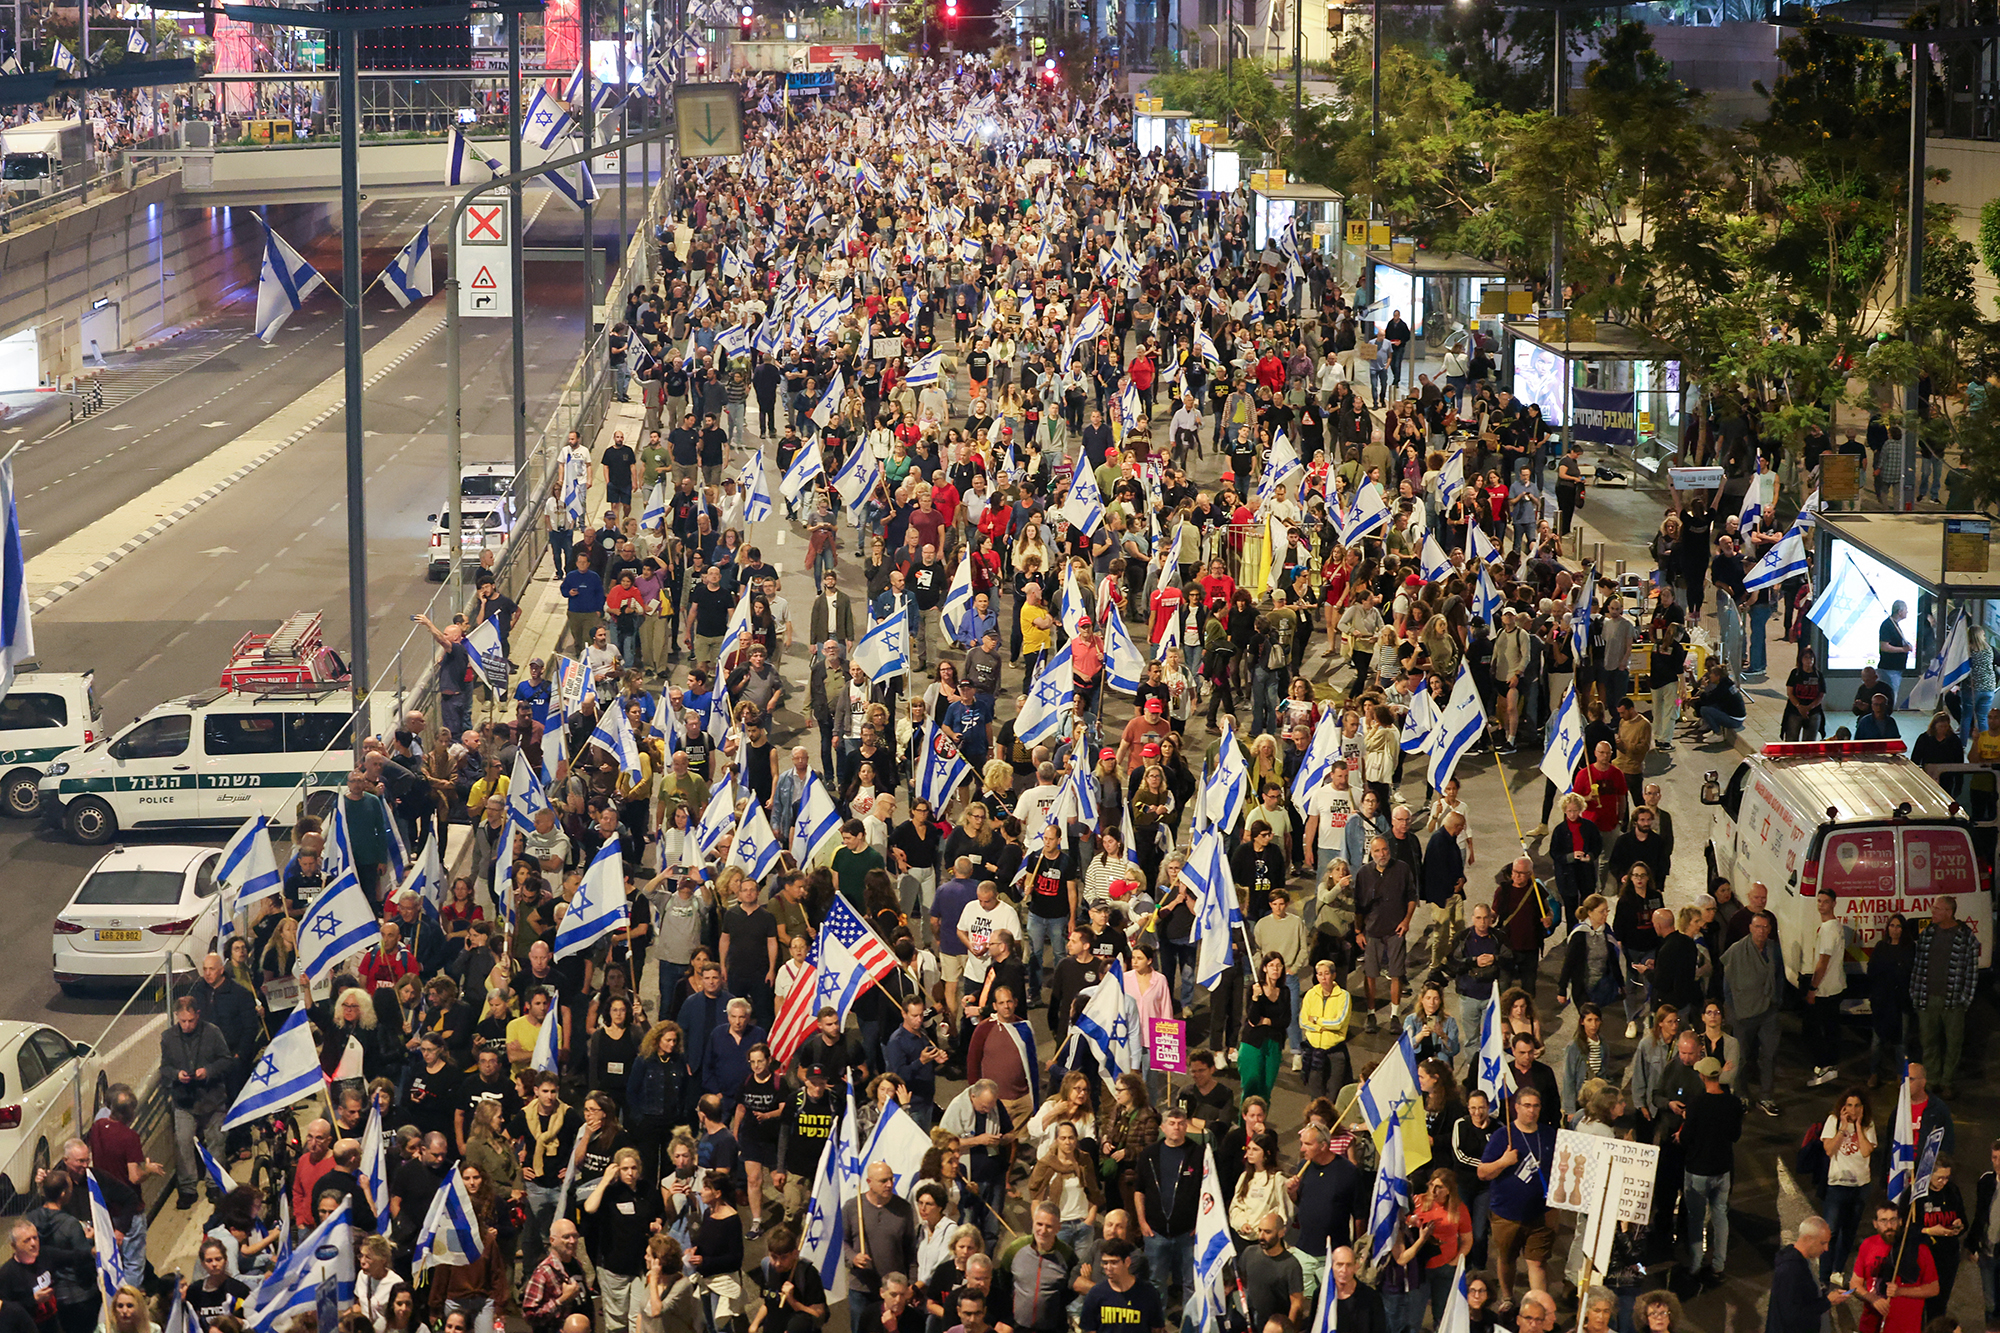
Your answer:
<point x="484" y="223"/>
<point x="485" y="287"/>
<point x="708" y="119"/>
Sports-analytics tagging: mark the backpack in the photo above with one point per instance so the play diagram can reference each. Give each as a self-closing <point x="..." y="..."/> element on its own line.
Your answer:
<point x="1810" y="1162"/>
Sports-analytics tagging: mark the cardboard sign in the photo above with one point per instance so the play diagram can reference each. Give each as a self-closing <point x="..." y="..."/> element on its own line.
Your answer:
<point x="1695" y="478"/>
<point x="281" y="993"/>
<point x="1589" y="1172"/>
<point x="1839" y="477"/>
<point x="1166" y="1041"/>
<point x="886" y="347"/>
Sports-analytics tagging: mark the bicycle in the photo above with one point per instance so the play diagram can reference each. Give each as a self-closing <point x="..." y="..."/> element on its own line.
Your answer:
<point x="275" y="1151"/>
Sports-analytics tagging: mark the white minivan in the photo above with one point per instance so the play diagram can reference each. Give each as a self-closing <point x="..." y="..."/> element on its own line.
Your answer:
<point x="43" y="714"/>
<point x="1856" y="816"/>
<point x="209" y="760"/>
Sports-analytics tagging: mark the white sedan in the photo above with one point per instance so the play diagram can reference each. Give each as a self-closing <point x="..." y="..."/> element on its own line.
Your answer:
<point x="136" y="909"/>
<point x="50" y="1087"/>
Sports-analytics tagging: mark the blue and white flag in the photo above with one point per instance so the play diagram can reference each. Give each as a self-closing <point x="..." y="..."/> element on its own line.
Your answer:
<point x="339" y="924"/>
<point x="326" y="1254"/>
<point x="1480" y="545"/>
<point x="956" y="612"/>
<point x="654" y="514"/>
<point x="1111" y="1025"/>
<point x="546" y="1058"/>
<point x="409" y="277"/>
<point x="718" y="817"/>
<point x="1459" y="725"/>
<point x="375" y="1169"/>
<point x="735" y="637"/>
<point x="1902" y="1146"/>
<point x="248" y="866"/>
<point x="885" y="649"/>
<point x="1226" y="789"/>
<point x="1457" y="1305"/>
<point x="1753" y="501"/>
<point x="1084" y="507"/>
<point x="1420" y="719"/>
<point x="928" y="369"/>
<point x="1951" y="665"/>
<point x="614" y="736"/>
<point x="17" y="630"/>
<point x="1391" y="1199"/>
<point x="1280" y="466"/>
<point x="1579" y="619"/>
<point x="1212" y="1248"/>
<point x="1786" y="560"/>
<point x="1564" y="753"/>
<point x="857" y="479"/>
<point x="1217" y="917"/>
<point x="754" y="847"/>
<point x="579" y="192"/>
<point x="1130" y="407"/>
<point x="1077" y="800"/>
<point x="1485" y="597"/>
<point x="817" y="824"/>
<point x="807" y="467"/>
<point x="828" y="406"/>
<point x="598" y="908"/>
<point x="283" y="284"/>
<point x="459" y="153"/>
<point x="1323" y="749"/>
<point x="488" y="655"/>
<point x="63" y="59"/>
<point x="136" y="43"/>
<point x="1326" y="1315"/>
<point x="182" y="1318"/>
<point x="1496" y="1074"/>
<point x="1451" y="479"/>
<point x="1369" y="514"/>
<point x="1053" y="695"/>
<point x="822" y="1229"/>
<point x="1205" y="345"/>
<point x="941" y="768"/>
<point x="104" y="1254"/>
<point x="902" y="1143"/>
<point x="755" y="483"/>
<point x="287" y="1071"/>
<point x="1124" y="664"/>
<point x="1432" y="562"/>
<point x="546" y="122"/>
<point x="451" y="1234"/>
<point x="217" y="1175"/>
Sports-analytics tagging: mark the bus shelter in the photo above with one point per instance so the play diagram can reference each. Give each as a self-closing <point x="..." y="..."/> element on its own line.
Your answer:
<point x="1606" y="386"/>
<point x="1437" y="292"/>
<point x="1316" y="211"/>
<point x="1168" y="131"/>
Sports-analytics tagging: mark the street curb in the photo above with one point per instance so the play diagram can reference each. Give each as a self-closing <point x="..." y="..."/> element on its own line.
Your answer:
<point x="68" y="586"/>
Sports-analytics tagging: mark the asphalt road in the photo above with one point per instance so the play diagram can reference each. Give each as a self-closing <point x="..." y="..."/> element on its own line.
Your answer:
<point x="160" y="623"/>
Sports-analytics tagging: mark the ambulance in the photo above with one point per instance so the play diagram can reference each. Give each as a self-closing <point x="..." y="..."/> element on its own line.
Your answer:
<point x="1857" y="817"/>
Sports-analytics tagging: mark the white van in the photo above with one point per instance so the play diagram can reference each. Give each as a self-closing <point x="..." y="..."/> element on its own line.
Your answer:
<point x="211" y="759"/>
<point x="1855" y="816"/>
<point x="43" y="714"/>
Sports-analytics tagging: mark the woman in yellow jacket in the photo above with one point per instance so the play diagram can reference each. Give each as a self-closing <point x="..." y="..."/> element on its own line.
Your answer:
<point x="1324" y="1012"/>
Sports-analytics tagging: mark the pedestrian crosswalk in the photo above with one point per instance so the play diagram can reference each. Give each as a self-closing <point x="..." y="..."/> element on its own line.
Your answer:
<point x="121" y="384"/>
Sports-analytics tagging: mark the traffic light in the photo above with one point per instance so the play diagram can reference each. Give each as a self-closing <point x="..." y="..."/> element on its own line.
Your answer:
<point x="748" y="17"/>
<point x="951" y="11"/>
<point x="1049" y="71"/>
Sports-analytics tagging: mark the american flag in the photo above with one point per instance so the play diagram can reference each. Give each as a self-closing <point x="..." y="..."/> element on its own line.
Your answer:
<point x="850" y="957"/>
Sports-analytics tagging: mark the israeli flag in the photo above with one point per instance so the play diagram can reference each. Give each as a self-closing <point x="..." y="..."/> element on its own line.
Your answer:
<point x="1451" y="478"/>
<point x="614" y="736"/>
<point x="286" y="1072"/>
<point x="1226" y="790"/>
<point x="734" y="342"/>
<point x="458" y="152"/>
<point x="547" y="1055"/>
<point x="1419" y="720"/>
<point x="17" y="631"/>
<point x="1564" y="754"/>
<point x="927" y="369"/>
<point x="1786" y="560"/>
<point x="1486" y="597"/>
<point x="940" y="769"/>
<point x="821" y="1234"/>
<point x="1753" y="500"/>
<point x="104" y="1254"/>
<point x="817" y="825"/>
<point x="1481" y="545"/>
<point x="1074" y="609"/>
<point x="1279" y="467"/>
<point x="408" y="277"/>
<point x="755" y="483"/>
<point x="1432" y="562"/>
<point x="248" y="866"/>
<point x="599" y="905"/>
<point x="901" y="1142"/>
<point x="547" y="121"/>
<point x="1391" y="1199"/>
<point x="1951" y="665"/>
<point x="1077" y="800"/>
<point x="1084" y="507"/>
<point x="583" y="191"/>
<point x="1124" y="664"/>
<point x="1217" y="918"/>
<point x="451" y="1234"/>
<point x="806" y="468"/>
<point x="1902" y="1146"/>
<point x="1054" y="695"/>
<point x="654" y="515"/>
<point x="488" y="657"/>
<point x="1496" y="1075"/>
<point x="375" y="1169"/>
<point x="1212" y="1248"/>
<point x="1255" y="314"/>
<point x="213" y="1169"/>
<point x="1111" y="1025"/>
<point x="755" y="847"/>
<point x="717" y="817"/>
<point x="325" y="1255"/>
<point x="1206" y="346"/>
<point x="1459" y="725"/>
<point x="885" y="649"/>
<point x="734" y="638"/>
<point x="1130" y="408"/>
<point x="1326" y="1319"/>
<point x="64" y="60"/>
<point x="136" y="43"/>
<point x="1369" y="515"/>
<point x="1323" y="749"/>
<point x="970" y="251"/>
<point x="283" y="284"/>
<point x="828" y="405"/>
<point x="339" y="924"/>
<point x="956" y="612"/>
<point x="1579" y="620"/>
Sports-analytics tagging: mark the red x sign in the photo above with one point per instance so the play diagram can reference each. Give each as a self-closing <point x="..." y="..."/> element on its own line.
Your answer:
<point x="483" y="223"/>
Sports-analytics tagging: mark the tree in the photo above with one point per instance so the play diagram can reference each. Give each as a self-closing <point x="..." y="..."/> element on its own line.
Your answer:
<point x="1247" y="95"/>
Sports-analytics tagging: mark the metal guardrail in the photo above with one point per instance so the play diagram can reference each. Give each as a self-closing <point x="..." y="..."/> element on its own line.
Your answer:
<point x="120" y="169"/>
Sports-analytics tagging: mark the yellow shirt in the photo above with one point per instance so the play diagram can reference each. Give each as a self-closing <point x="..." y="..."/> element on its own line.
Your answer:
<point x="523" y="1032"/>
<point x="1323" y="1018"/>
<point x="1035" y="639"/>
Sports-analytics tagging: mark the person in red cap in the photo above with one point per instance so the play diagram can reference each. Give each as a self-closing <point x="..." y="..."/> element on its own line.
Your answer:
<point x="1149" y="725"/>
<point x="1086" y="664"/>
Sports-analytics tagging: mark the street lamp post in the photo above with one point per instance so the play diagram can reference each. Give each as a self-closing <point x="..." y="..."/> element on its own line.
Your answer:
<point x="516" y="231"/>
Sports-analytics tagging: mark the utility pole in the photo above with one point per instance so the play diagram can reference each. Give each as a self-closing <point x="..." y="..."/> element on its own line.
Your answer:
<point x="1298" y="60"/>
<point x="1913" y="394"/>
<point x="350" y="296"/>
<point x="516" y="231"/>
<point x="589" y="118"/>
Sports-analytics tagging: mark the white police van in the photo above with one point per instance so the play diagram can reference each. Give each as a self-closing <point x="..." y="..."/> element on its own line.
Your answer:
<point x="43" y="714"/>
<point x="210" y="759"/>
<point x="486" y="509"/>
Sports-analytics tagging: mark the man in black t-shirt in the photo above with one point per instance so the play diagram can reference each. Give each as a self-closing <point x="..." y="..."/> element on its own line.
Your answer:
<point x="411" y="1190"/>
<point x="619" y="460"/>
<point x="1895" y="646"/>
<point x="750" y="952"/>
<point x="709" y="608"/>
<point x="793" y="1299"/>
<point x="1052" y="895"/>
<point x="1120" y="1303"/>
<point x="26" y="1281"/>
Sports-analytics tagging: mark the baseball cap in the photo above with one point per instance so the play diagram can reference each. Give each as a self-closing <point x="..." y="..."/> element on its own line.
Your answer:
<point x="1155" y="705"/>
<point x="1150" y="752"/>
<point x="1122" y="888"/>
<point x="1708" y="1066"/>
<point x="534" y="661"/>
<point x="1107" y="753"/>
<point x="1006" y="430"/>
<point x="1085" y="622"/>
<point x="816" y="1071"/>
